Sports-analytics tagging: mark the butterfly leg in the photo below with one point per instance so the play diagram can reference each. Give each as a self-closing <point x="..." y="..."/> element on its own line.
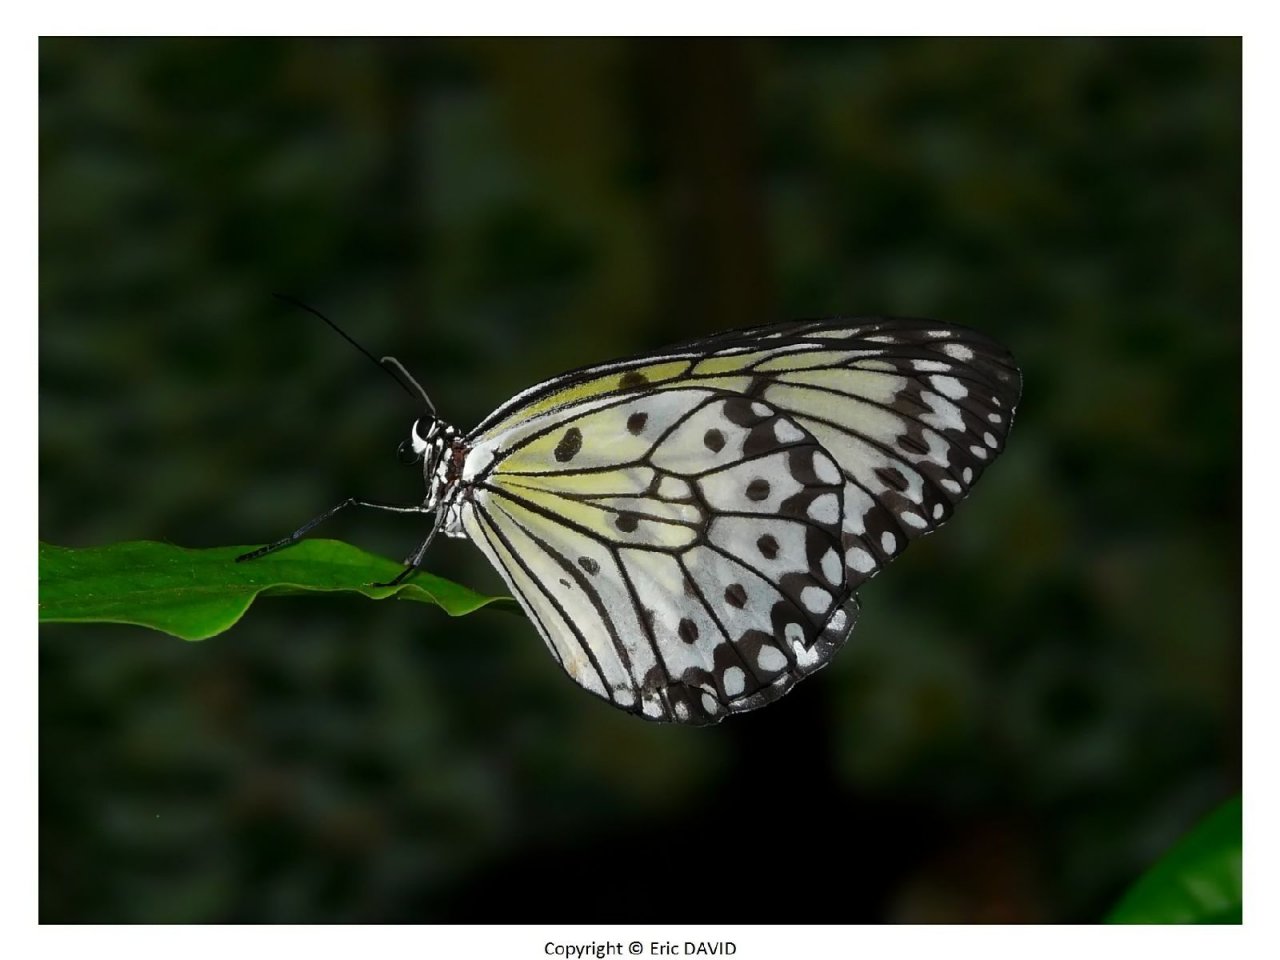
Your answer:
<point x="303" y="530"/>
<point x="415" y="561"/>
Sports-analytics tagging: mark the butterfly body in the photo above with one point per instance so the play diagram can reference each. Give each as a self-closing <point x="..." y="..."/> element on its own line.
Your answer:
<point x="687" y="529"/>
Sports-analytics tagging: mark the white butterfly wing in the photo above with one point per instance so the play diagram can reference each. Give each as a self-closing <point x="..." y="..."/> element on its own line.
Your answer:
<point x="901" y="416"/>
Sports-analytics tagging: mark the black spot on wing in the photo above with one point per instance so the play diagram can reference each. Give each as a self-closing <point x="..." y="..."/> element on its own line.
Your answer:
<point x="569" y="445"/>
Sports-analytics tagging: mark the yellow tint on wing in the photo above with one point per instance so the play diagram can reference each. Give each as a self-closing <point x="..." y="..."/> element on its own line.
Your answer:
<point x="806" y="359"/>
<point x="729" y="363"/>
<point x="623" y="482"/>
<point x="872" y="385"/>
<point x="536" y="508"/>
<point x="611" y="382"/>
<point x="729" y="384"/>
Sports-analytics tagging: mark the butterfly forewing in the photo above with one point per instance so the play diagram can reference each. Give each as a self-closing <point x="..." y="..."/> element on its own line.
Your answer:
<point x="687" y="528"/>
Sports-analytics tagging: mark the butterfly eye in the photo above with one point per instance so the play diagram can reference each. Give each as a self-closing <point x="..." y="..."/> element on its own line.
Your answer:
<point x="406" y="454"/>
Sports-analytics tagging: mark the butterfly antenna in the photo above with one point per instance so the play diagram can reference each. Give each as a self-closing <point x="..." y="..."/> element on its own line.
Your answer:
<point x="388" y="365"/>
<point x="397" y="370"/>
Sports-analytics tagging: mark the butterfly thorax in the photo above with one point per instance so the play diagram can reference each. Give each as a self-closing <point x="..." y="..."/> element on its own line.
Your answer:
<point x="443" y="454"/>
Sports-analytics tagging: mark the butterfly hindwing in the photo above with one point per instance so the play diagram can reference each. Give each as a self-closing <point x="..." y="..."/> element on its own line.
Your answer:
<point x="682" y="558"/>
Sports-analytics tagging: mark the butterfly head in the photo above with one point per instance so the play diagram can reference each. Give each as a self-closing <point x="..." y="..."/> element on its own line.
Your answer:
<point x="428" y="438"/>
<point x="430" y="443"/>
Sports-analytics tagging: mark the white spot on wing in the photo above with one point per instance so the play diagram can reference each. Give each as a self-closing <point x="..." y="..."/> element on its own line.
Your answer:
<point x="805" y="658"/>
<point x="815" y="599"/>
<point x="957" y="350"/>
<point x="857" y="504"/>
<point x="859" y="560"/>
<point x="735" y="681"/>
<point x="949" y="387"/>
<point x="786" y="431"/>
<point x="771" y="659"/>
<point x="831" y="567"/>
<point x="826" y="470"/>
<point x="943" y="415"/>
<point x="825" y="509"/>
<point x="888" y="542"/>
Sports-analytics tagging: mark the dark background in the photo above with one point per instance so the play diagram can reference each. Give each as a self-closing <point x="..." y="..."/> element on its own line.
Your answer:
<point x="1037" y="700"/>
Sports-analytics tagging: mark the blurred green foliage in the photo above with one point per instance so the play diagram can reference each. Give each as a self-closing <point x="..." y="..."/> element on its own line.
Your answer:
<point x="1038" y="701"/>
<point x="197" y="594"/>
<point x="1199" y="881"/>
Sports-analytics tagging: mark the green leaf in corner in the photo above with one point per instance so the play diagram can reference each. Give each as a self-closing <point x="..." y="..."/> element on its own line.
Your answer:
<point x="1198" y="881"/>
<point x="196" y="594"/>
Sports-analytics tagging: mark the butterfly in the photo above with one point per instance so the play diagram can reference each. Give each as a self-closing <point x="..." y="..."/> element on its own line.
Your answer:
<point x="687" y="528"/>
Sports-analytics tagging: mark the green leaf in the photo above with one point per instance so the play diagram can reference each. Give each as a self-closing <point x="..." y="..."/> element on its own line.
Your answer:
<point x="1198" y="881"/>
<point x="195" y="594"/>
